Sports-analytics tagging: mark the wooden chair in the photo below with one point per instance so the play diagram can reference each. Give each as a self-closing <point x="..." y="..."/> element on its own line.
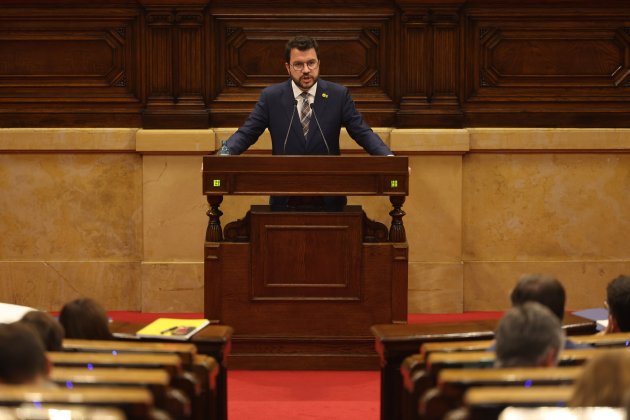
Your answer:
<point x="395" y="342"/>
<point x="186" y="351"/>
<point x="157" y="381"/>
<point x="486" y="403"/>
<point x="454" y="346"/>
<point x="420" y="374"/>
<point x="582" y="413"/>
<point x="54" y="412"/>
<point x="171" y="363"/>
<point x="604" y="340"/>
<point x="452" y="384"/>
<point x="135" y="402"/>
<point x="204" y="367"/>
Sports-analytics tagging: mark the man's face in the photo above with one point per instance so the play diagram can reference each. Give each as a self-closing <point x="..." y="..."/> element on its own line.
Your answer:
<point x="306" y="76"/>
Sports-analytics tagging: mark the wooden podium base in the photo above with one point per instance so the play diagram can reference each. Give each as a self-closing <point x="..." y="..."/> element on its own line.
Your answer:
<point x="306" y="353"/>
<point x="303" y="288"/>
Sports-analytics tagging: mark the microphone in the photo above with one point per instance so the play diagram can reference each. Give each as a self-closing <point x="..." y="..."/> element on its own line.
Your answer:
<point x="284" y="147"/>
<point x="320" y="129"/>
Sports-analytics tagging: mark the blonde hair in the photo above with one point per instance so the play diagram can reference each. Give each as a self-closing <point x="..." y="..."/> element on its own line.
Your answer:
<point x="605" y="381"/>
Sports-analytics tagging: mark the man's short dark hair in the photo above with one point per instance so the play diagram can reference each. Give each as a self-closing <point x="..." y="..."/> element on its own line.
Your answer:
<point x="22" y="355"/>
<point x="545" y="290"/>
<point x="618" y="298"/>
<point x="526" y="334"/>
<point x="302" y="43"/>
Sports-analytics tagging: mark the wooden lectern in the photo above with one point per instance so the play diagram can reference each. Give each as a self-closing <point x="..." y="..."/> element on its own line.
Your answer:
<point x="302" y="288"/>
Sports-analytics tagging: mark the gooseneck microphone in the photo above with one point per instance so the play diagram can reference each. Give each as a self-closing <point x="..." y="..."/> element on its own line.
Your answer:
<point x="320" y="129"/>
<point x="284" y="147"/>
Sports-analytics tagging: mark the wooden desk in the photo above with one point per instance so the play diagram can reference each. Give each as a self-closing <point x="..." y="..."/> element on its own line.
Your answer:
<point x="302" y="288"/>
<point x="214" y="341"/>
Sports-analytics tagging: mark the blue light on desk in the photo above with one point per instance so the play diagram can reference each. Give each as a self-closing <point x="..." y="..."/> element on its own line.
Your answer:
<point x="528" y="383"/>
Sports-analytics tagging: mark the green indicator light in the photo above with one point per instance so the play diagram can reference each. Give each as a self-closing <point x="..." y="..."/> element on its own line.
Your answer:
<point x="216" y="183"/>
<point x="394" y="183"/>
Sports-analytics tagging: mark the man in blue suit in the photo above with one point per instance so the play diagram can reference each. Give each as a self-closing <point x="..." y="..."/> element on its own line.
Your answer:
<point x="305" y="114"/>
<point x="280" y="107"/>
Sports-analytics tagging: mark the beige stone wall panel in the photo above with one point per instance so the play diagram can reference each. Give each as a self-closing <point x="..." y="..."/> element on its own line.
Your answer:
<point x="70" y="207"/>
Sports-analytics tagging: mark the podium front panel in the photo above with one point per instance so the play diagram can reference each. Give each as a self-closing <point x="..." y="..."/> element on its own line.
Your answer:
<point x="306" y="256"/>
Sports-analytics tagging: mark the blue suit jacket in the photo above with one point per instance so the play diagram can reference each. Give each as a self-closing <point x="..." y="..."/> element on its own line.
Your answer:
<point x="333" y="108"/>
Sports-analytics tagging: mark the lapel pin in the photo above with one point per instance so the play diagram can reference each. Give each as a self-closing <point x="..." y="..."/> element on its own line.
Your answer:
<point x="324" y="95"/>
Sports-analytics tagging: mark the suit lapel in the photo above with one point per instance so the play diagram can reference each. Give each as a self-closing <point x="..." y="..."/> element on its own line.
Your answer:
<point x="317" y="108"/>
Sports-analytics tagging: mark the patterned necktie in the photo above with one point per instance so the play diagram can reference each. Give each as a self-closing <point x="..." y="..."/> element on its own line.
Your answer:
<point x="305" y="114"/>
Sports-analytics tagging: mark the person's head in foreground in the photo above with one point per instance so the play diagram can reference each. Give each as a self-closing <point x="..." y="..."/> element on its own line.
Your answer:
<point x="545" y="290"/>
<point x="618" y="303"/>
<point x="22" y="356"/>
<point x="49" y="329"/>
<point x="528" y="335"/>
<point x="85" y="318"/>
<point x="605" y="381"/>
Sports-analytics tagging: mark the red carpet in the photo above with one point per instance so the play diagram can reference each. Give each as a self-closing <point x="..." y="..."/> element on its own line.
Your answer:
<point x="133" y="316"/>
<point x="303" y="395"/>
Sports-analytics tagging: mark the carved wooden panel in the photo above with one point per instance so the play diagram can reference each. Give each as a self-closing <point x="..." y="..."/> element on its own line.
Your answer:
<point x="430" y="66"/>
<point x="408" y="63"/>
<point x="57" y="61"/>
<point x="313" y="256"/>
<point x="555" y="67"/>
<point x="355" y="50"/>
<point x="175" y="61"/>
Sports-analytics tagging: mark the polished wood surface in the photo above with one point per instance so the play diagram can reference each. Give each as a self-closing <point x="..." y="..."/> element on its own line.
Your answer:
<point x="486" y="403"/>
<point x="408" y="63"/>
<point x="136" y="402"/>
<point x="53" y="411"/>
<point x="171" y="363"/>
<point x="205" y="368"/>
<point x="157" y="381"/>
<point x="186" y="351"/>
<point x="452" y="384"/>
<point x="304" y="176"/>
<point x="214" y="341"/>
<point x="395" y="342"/>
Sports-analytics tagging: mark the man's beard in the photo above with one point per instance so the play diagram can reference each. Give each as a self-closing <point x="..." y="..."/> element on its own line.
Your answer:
<point x="300" y="84"/>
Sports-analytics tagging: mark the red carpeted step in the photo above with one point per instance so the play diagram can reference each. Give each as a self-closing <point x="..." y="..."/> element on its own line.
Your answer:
<point x="136" y="316"/>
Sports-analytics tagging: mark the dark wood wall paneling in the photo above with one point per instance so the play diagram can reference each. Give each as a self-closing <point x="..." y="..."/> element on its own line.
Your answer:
<point x="408" y="63"/>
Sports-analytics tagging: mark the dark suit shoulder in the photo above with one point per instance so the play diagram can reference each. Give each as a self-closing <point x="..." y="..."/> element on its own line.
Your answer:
<point x="327" y="86"/>
<point x="277" y="89"/>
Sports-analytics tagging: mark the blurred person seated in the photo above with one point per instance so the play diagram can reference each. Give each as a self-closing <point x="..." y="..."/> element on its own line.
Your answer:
<point x="86" y="319"/>
<point x="618" y="305"/>
<point x="605" y="381"/>
<point x="49" y="329"/>
<point x="528" y="335"/>
<point x="547" y="291"/>
<point x="23" y="358"/>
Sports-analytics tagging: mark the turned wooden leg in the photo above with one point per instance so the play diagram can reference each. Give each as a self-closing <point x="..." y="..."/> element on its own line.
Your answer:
<point x="397" y="229"/>
<point x="214" y="233"/>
